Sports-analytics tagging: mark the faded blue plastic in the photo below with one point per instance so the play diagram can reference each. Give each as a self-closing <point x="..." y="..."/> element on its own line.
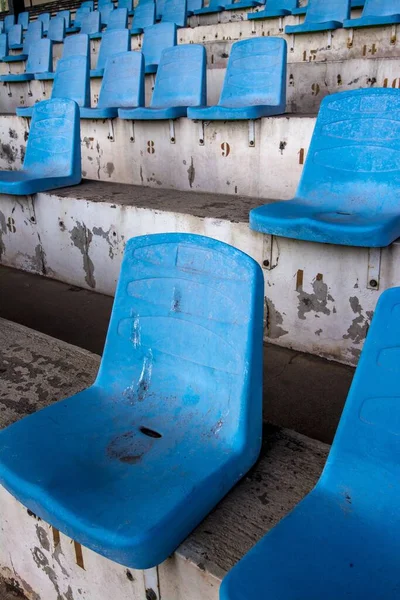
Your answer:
<point x="80" y="14"/>
<point x="342" y="540"/>
<point x="3" y="45"/>
<point x="375" y="13"/>
<point x="349" y="192"/>
<point x="180" y="83"/>
<point x="322" y="15"/>
<point x="274" y="8"/>
<point x="106" y="11"/>
<point x="91" y="24"/>
<point x="175" y="11"/>
<point x="118" y="19"/>
<point x="122" y="86"/>
<point x="113" y="42"/>
<point x="33" y="34"/>
<point x="213" y="7"/>
<point x="40" y="60"/>
<point x="89" y="4"/>
<point x="156" y="38"/>
<point x="9" y="22"/>
<point x="2" y="30"/>
<point x="23" y="19"/>
<point x="45" y="18"/>
<point x="145" y="16"/>
<point x="53" y="151"/>
<point x="15" y="37"/>
<point x="66" y="15"/>
<point x="128" y="4"/>
<point x="301" y="10"/>
<point x="243" y="4"/>
<point x="159" y="9"/>
<point x="193" y="5"/>
<point x="254" y="85"/>
<point x="77" y="45"/>
<point x="176" y="406"/>
<point x="56" y="32"/>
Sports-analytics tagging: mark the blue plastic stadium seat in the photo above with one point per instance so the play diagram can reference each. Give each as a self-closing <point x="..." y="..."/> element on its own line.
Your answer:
<point x="301" y="10"/>
<point x="145" y="16"/>
<point x="23" y="19"/>
<point x="80" y="14"/>
<point x="71" y="81"/>
<point x="118" y="19"/>
<point x="88" y="4"/>
<point x="375" y="13"/>
<point x="66" y="15"/>
<point x="40" y="60"/>
<point x="33" y="34"/>
<point x="9" y="22"/>
<point x="15" y="39"/>
<point x="128" y="4"/>
<point x="56" y="32"/>
<point x="322" y="15"/>
<point x="274" y="9"/>
<point x="342" y="540"/>
<point x="91" y="24"/>
<point x="255" y="82"/>
<point x="105" y="12"/>
<point x="113" y="42"/>
<point x="175" y="11"/>
<point x="180" y="83"/>
<point x="213" y="7"/>
<point x="156" y="38"/>
<point x="3" y="45"/>
<point x="349" y="189"/>
<point x="243" y="4"/>
<point x="122" y="86"/>
<point x="53" y="151"/>
<point x="45" y="18"/>
<point x="177" y="401"/>
<point x="74" y="45"/>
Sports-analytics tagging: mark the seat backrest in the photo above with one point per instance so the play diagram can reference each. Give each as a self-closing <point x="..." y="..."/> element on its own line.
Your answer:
<point x="15" y="36"/>
<point x="256" y="73"/>
<point x="194" y="5"/>
<point x="56" y="32"/>
<point x="366" y="448"/>
<point x="156" y="38"/>
<point x="123" y="81"/>
<point x="32" y="35"/>
<point x="185" y="334"/>
<point x="181" y="77"/>
<point x="106" y="11"/>
<point x="9" y="22"/>
<point x="381" y="8"/>
<point x="175" y="11"/>
<point x="80" y="15"/>
<point x="40" y="58"/>
<point x="354" y="155"/>
<point x="320" y="11"/>
<point x="89" y="4"/>
<point x="118" y="19"/>
<point x="53" y="146"/>
<point x="66" y="15"/>
<point x="45" y="18"/>
<point x="102" y="3"/>
<point x="23" y="19"/>
<point x="3" y="45"/>
<point x="145" y="15"/>
<point x="91" y="22"/>
<point x="76" y="45"/>
<point x="159" y="9"/>
<point x="128" y="4"/>
<point x="71" y="80"/>
<point x="113" y="42"/>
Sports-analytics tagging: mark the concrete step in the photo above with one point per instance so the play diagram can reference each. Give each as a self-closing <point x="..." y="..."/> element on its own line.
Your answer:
<point x="37" y="370"/>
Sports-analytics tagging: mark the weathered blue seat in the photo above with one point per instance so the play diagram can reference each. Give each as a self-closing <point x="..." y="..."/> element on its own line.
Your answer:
<point x="45" y="19"/>
<point x="56" y="32"/>
<point x="342" y="540"/>
<point x="53" y="151"/>
<point x="243" y="4"/>
<point x="118" y="19"/>
<point x="145" y="16"/>
<point x="74" y="45"/>
<point x="9" y="22"/>
<point x="274" y="8"/>
<point x="15" y="40"/>
<point x="3" y="45"/>
<point x="301" y="10"/>
<point x="156" y="38"/>
<point x="349" y="192"/>
<point x="322" y="15"/>
<point x="113" y="42"/>
<point x="175" y="11"/>
<point x="80" y="14"/>
<point x="40" y="60"/>
<point x="375" y="13"/>
<point x="122" y="86"/>
<point x="255" y="82"/>
<point x="33" y="34"/>
<point x="66" y="15"/>
<point x="180" y="83"/>
<point x="128" y="4"/>
<point x="23" y="19"/>
<point x="213" y="7"/>
<point x="89" y="4"/>
<point x="106" y="11"/>
<point x="91" y="24"/>
<point x="71" y="81"/>
<point x="177" y="401"/>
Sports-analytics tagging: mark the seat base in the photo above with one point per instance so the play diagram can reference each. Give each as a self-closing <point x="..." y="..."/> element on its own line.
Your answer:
<point x="23" y="183"/>
<point x="15" y="58"/>
<point x="136" y="30"/>
<point x="225" y="113"/>
<point x="96" y="73"/>
<point x="72" y="30"/>
<point x="98" y="113"/>
<point x="150" y="69"/>
<point x="242" y="4"/>
<point x="268" y="14"/>
<point x="44" y="76"/>
<point x="152" y="114"/>
<point x="310" y="27"/>
<point x="95" y="36"/>
<point x="24" y="111"/>
<point x="371" y="21"/>
<point x="319" y="223"/>
<point x="17" y="77"/>
<point x="208" y="10"/>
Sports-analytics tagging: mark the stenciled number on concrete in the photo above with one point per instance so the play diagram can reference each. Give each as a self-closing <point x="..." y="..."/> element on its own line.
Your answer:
<point x="315" y="89"/>
<point x="225" y="147"/>
<point x="11" y="225"/>
<point x="150" y="147"/>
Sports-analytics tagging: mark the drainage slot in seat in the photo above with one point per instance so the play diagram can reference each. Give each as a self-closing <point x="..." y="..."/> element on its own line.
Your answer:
<point x="150" y="432"/>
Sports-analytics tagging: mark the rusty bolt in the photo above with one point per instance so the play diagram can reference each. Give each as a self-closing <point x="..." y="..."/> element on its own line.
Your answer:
<point x="266" y="263"/>
<point x="373" y="283"/>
